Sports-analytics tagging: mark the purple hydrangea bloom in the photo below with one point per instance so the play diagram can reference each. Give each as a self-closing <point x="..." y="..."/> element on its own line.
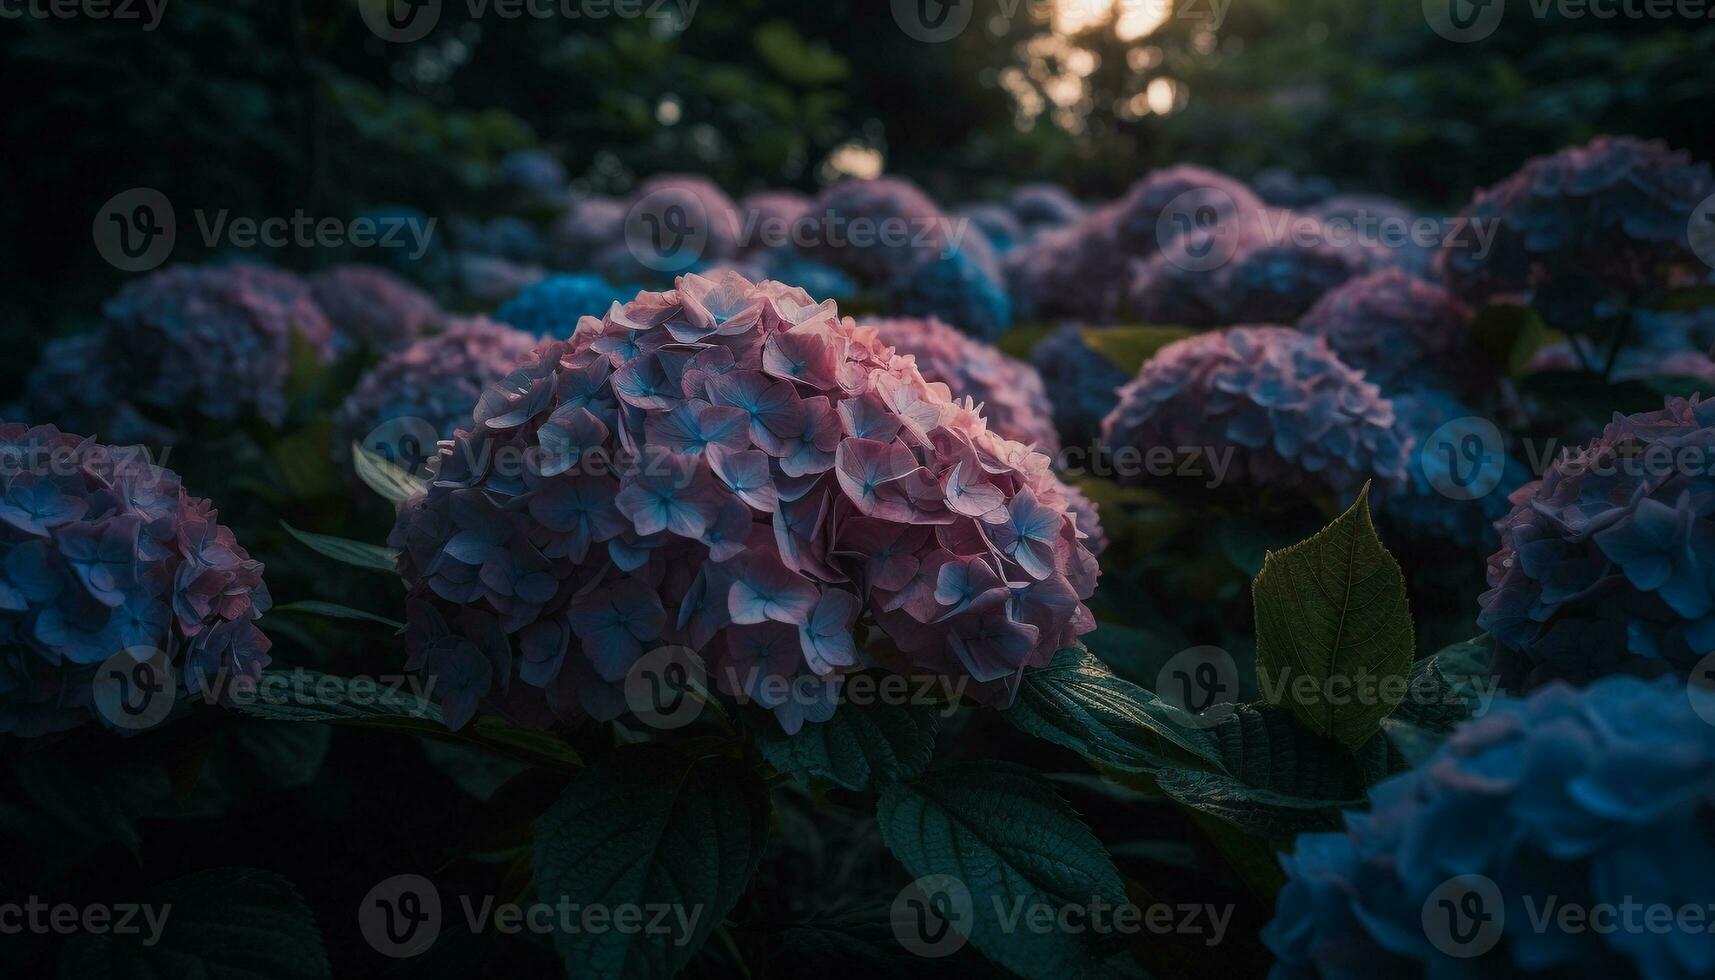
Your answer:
<point x="1085" y="270"/>
<point x="735" y="468"/>
<point x="1410" y="240"/>
<point x="1284" y="189"/>
<point x="102" y="552"/>
<point x="488" y="280"/>
<point x="997" y="223"/>
<point x="1039" y="207"/>
<point x="436" y="379"/>
<point x="505" y="237"/>
<point x="59" y="387"/>
<point x="531" y="178"/>
<point x="553" y="306"/>
<point x="1601" y="798"/>
<point x="875" y="230"/>
<point x="372" y="307"/>
<point x="769" y="219"/>
<point x="1288" y="412"/>
<point x="708" y="209"/>
<point x="587" y="226"/>
<point x="189" y="342"/>
<point x="1083" y="385"/>
<point x="1280" y="266"/>
<point x="955" y="287"/>
<point x="1602" y="564"/>
<point x="1401" y="332"/>
<point x="1089" y="518"/>
<point x="1589" y="223"/>
<point x="1432" y="502"/>
<point x="1008" y="392"/>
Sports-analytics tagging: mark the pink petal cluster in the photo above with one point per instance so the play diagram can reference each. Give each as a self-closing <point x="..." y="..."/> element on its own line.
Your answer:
<point x="737" y="469"/>
<point x="1008" y="393"/>
<point x="372" y="307"/>
<point x="1085" y="270"/>
<point x="1401" y="332"/>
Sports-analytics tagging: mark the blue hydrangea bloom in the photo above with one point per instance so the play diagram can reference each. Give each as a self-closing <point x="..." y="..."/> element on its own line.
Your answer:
<point x="955" y="287"/>
<point x="996" y="223"/>
<point x="531" y="178"/>
<point x="1401" y="332"/>
<point x="1595" y="799"/>
<point x="818" y="279"/>
<point x="551" y="308"/>
<point x="1083" y="385"/>
<point x="1604" y="564"/>
<point x="1431" y="502"/>
<point x="102" y="552"/>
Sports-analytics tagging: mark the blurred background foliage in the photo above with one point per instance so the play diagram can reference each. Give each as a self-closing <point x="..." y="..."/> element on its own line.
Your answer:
<point x="276" y="107"/>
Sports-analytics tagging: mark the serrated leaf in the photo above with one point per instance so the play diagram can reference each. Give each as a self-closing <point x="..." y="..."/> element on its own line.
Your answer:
<point x="227" y="922"/>
<point x="346" y="551"/>
<point x="333" y="610"/>
<point x="1004" y="834"/>
<point x="863" y="746"/>
<point x="1076" y="702"/>
<point x="1332" y="609"/>
<point x="309" y="695"/>
<point x="650" y="826"/>
<point x="387" y="478"/>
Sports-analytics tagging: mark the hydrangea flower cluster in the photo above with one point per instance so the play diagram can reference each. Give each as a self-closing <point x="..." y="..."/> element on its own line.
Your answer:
<point x="1581" y="225"/>
<point x="710" y="212"/>
<point x="1083" y="384"/>
<point x="588" y="226"/>
<point x="188" y="343"/>
<point x="1291" y="413"/>
<point x="956" y="287"/>
<point x="100" y="552"/>
<point x="1283" y="188"/>
<point x="1085" y="270"/>
<point x="1386" y="222"/>
<point x="874" y="230"/>
<point x="1400" y="331"/>
<point x="769" y="217"/>
<point x="815" y="278"/>
<point x="436" y="379"/>
<point x="58" y="387"/>
<point x="997" y="223"/>
<point x="532" y="178"/>
<point x="736" y="469"/>
<point x="372" y="307"/>
<point x="1265" y="280"/>
<point x="505" y="237"/>
<point x="1039" y="207"/>
<point x="1572" y="798"/>
<point x="1603" y="564"/>
<point x="551" y="307"/>
<point x="1421" y="506"/>
<point x="1008" y="392"/>
<point x="488" y="280"/>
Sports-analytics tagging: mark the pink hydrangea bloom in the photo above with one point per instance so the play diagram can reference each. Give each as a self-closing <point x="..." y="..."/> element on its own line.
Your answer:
<point x="875" y="230"/>
<point x="1287" y="412"/>
<point x="372" y="307"/>
<point x="1401" y="332"/>
<point x="1009" y="393"/>
<point x="735" y="468"/>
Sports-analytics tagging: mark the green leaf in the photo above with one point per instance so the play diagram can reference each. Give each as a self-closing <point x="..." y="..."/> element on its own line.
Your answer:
<point x="1001" y="831"/>
<point x="227" y="922"/>
<point x="347" y="551"/>
<point x="1508" y="334"/>
<point x="333" y="610"/>
<point x="309" y="695"/>
<point x="650" y="826"/>
<point x="305" y="464"/>
<point x="1333" y="609"/>
<point x="1076" y="702"/>
<point x="863" y="746"/>
<point x="384" y="476"/>
<point x="1130" y="347"/>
